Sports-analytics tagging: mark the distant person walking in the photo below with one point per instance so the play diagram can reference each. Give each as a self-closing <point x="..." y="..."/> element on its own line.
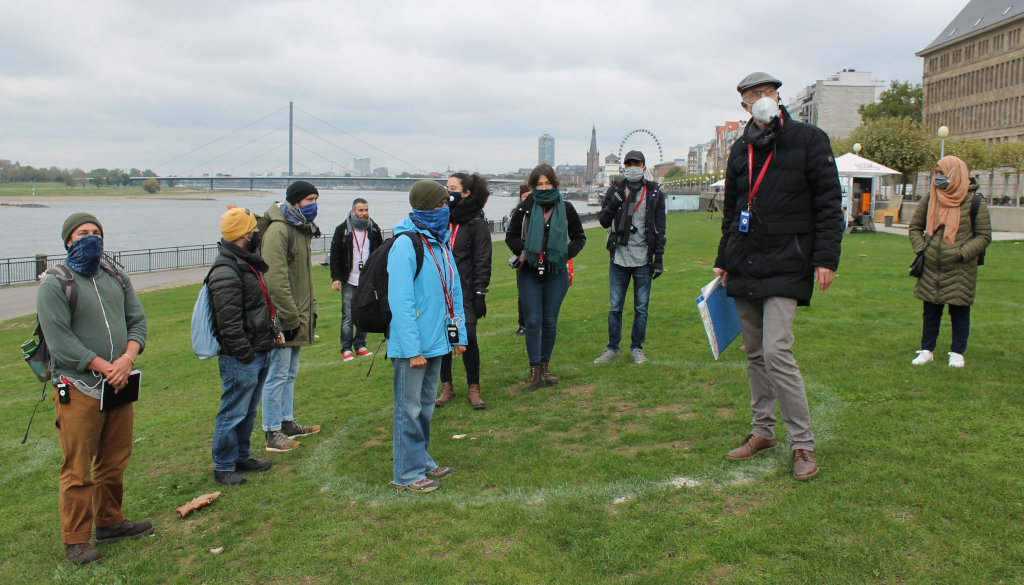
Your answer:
<point x="95" y="329"/>
<point x="952" y="241"/>
<point x="545" y="232"/>
<point x="470" y="242"/>
<point x="782" y="230"/>
<point x="427" y="322"/>
<point x="353" y="241"/>
<point x="247" y="331"/>
<point x="524" y="190"/>
<point x="286" y="249"/>
<point x="633" y="209"/>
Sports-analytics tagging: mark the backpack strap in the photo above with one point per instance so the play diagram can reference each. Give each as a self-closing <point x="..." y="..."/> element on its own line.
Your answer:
<point x="66" y="279"/>
<point x="975" y="203"/>
<point x="220" y="261"/>
<point x="417" y="245"/>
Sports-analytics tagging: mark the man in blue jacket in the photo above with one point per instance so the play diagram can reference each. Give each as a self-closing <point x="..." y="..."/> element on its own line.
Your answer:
<point x="634" y="211"/>
<point x="427" y="322"/>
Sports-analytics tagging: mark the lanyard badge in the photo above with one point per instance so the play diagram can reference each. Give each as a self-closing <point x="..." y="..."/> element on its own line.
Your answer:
<point x="744" y="221"/>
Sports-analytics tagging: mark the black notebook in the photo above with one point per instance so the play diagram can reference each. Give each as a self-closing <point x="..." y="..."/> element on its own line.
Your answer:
<point x="130" y="393"/>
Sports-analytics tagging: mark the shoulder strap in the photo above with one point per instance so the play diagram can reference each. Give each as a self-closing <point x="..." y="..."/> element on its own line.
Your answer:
<point x="221" y="261"/>
<point x="113" y="271"/>
<point x="417" y="245"/>
<point x="975" y="203"/>
<point x="66" y="279"/>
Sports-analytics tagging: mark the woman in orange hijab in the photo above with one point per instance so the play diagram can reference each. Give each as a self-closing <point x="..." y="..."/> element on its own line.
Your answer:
<point x="942" y="226"/>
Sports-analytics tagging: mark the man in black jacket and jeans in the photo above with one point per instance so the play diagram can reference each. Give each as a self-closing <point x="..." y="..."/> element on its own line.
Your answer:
<point x="634" y="210"/>
<point x="243" y="318"/>
<point x="782" y="227"/>
<point x="353" y="241"/>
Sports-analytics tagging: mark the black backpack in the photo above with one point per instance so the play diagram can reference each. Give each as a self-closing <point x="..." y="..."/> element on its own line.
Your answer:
<point x="370" y="309"/>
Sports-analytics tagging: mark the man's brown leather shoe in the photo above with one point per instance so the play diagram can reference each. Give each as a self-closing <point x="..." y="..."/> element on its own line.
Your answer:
<point x="81" y="554"/>
<point x="447" y="393"/>
<point x="126" y="529"/>
<point x="751" y="446"/>
<point x="804" y="464"/>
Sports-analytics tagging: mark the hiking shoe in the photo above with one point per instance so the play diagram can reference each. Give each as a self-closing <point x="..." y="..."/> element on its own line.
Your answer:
<point x="520" y="332"/>
<point x="363" y="352"/>
<point x="804" y="465"/>
<point x="422" y="486"/>
<point x="228" y="478"/>
<point x="253" y="464"/>
<point x="923" y="357"/>
<point x="347" y="356"/>
<point x="440" y="472"/>
<point x="81" y="554"/>
<point x="752" y="445"/>
<point x="126" y="529"/>
<point x="606" y="356"/>
<point x="638" y="356"/>
<point x="277" y="442"/>
<point x="956" y="360"/>
<point x="292" y="429"/>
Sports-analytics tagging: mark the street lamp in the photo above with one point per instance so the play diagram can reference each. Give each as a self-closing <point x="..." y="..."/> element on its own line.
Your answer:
<point x="943" y="132"/>
<point x="856" y="148"/>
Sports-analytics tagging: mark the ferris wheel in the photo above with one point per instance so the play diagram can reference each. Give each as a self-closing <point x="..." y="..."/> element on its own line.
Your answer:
<point x="643" y="140"/>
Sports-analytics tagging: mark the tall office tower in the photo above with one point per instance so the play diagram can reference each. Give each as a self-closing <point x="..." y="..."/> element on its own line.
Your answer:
<point x="546" y="150"/>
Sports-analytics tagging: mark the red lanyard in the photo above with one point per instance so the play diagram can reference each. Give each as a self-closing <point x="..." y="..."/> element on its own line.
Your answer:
<point x="449" y="298"/>
<point x="754" y="187"/>
<point x="359" y="247"/>
<point x="263" y="286"/>
<point x="455" y="232"/>
<point x="642" y="193"/>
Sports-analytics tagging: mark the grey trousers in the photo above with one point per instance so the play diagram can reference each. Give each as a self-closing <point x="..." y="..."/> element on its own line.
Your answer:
<point x="767" y="326"/>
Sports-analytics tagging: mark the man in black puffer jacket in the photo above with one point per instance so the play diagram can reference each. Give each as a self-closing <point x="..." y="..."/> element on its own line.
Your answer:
<point x="247" y="330"/>
<point x="782" y="227"/>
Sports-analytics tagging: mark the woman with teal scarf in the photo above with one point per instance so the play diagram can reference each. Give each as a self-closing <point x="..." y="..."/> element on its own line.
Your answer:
<point x="544" y="232"/>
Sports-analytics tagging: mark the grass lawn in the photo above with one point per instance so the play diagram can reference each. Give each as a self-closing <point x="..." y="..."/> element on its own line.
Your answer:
<point x="616" y="475"/>
<point x="25" y="189"/>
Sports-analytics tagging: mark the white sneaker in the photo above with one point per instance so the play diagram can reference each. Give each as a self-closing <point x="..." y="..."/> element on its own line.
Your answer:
<point x="923" y="357"/>
<point x="606" y="356"/>
<point x="956" y="360"/>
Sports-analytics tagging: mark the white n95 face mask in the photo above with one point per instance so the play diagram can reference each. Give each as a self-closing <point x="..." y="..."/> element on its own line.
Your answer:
<point x="764" y="109"/>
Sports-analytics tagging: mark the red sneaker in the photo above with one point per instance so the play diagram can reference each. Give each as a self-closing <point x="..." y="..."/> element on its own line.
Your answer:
<point x="346" y="356"/>
<point x="363" y="352"/>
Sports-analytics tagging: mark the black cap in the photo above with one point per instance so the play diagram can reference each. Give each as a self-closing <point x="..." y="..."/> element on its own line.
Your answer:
<point x="634" y="155"/>
<point x="755" y="79"/>
<point x="298" y="191"/>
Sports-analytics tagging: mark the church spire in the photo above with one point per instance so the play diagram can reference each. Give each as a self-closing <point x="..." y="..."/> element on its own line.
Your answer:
<point x="593" y="140"/>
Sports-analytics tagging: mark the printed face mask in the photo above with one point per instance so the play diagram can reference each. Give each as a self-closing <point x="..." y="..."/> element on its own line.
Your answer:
<point x="84" y="254"/>
<point x="765" y="109"/>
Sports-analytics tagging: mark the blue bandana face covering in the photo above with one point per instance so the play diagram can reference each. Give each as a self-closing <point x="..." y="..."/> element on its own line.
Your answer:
<point x="309" y="211"/>
<point x="84" y="255"/>
<point x="435" y="220"/>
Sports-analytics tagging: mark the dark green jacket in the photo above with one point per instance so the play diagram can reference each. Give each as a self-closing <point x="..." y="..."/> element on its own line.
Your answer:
<point x="93" y="330"/>
<point x="950" y="272"/>
<point x="286" y="250"/>
<point x="241" y="316"/>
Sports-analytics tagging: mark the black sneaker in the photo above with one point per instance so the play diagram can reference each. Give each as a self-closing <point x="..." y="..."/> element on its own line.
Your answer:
<point x="252" y="464"/>
<point x="292" y="429"/>
<point x="126" y="529"/>
<point x="228" y="477"/>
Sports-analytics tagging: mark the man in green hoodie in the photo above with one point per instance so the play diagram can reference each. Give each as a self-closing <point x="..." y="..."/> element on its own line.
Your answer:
<point x="286" y="250"/>
<point x="95" y="329"/>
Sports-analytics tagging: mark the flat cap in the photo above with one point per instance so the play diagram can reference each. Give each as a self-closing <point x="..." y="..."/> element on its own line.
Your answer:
<point x="755" y="79"/>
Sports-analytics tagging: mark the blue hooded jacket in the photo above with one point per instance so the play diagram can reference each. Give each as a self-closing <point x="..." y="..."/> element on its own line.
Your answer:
<point x="418" y="309"/>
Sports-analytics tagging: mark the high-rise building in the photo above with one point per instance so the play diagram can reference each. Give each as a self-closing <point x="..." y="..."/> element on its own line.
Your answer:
<point x="831" y="104"/>
<point x="593" y="157"/>
<point x="546" y="150"/>
<point x="361" y="166"/>
<point x="974" y="74"/>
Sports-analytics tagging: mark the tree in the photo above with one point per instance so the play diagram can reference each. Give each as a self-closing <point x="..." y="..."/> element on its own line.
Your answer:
<point x="841" y="146"/>
<point x="901" y="144"/>
<point x="151" y="186"/>
<point x="973" y="152"/>
<point x="1010" y="154"/>
<point x="901" y="100"/>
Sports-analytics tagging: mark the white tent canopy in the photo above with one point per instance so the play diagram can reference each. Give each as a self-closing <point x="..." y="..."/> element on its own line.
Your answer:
<point x="851" y="165"/>
<point x="719" y="183"/>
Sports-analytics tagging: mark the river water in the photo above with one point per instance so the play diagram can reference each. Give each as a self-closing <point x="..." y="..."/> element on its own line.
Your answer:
<point x="139" y="223"/>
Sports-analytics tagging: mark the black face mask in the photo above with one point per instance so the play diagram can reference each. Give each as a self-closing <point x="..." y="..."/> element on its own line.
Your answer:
<point x="254" y="242"/>
<point x="454" y="197"/>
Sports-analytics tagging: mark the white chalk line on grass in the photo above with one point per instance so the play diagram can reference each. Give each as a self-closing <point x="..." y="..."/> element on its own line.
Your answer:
<point x="717" y="474"/>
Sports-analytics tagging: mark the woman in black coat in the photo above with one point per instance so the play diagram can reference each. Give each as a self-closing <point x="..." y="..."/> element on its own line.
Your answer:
<point x="470" y="240"/>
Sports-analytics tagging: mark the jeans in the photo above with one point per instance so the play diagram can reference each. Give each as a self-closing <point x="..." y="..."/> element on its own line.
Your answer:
<point x="279" y="388"/>
<point x="348" y="340"/>
<point x="767" y="326"/>
<point x="959" y="316"/>
<point x="415" y="392"/>
<point x="242" y="387"/>
<point x="618" y="282"/>
<point x="542" y="299"/>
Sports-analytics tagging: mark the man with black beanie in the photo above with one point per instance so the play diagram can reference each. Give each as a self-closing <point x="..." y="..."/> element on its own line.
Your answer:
<point x="286" y="250"/>
<point x="634" y="210"/>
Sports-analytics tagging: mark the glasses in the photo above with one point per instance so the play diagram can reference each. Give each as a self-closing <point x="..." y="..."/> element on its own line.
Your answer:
<point x="754" y="94"/>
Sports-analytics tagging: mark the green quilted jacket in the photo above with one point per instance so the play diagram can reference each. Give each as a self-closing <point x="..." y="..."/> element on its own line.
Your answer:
<point x="950" y="272"/>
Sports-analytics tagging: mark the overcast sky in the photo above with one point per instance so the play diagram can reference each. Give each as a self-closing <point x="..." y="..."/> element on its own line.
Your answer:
<point x="411" y="84"/>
